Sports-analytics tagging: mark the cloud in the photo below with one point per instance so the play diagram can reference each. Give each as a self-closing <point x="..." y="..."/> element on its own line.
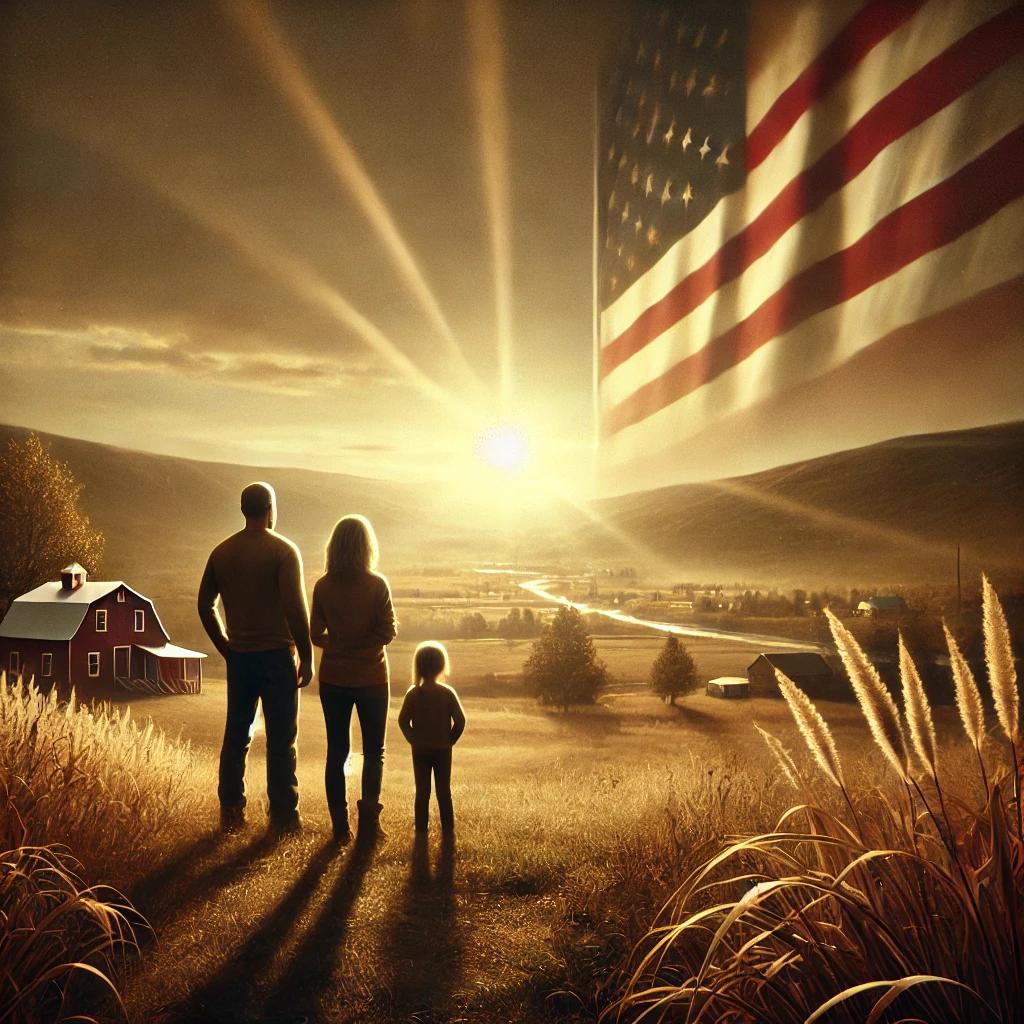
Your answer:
<point x="116" y="349"/>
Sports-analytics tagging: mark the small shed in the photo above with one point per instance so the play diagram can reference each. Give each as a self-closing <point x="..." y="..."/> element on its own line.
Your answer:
<point x="729" y="687"/>
<point x="882" y="607"/>
<point x="808" y="670"/>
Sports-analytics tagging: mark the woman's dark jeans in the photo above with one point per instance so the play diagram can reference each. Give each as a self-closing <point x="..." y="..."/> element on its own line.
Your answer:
<point x="439" y="764"/>
<point x="371" y="704"/>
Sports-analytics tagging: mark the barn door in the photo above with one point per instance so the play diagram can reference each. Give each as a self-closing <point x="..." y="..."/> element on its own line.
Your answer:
<point x="121" y="662"/>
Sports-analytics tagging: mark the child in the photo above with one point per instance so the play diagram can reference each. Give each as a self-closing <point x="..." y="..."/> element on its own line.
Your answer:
<point x="432" y="720"/>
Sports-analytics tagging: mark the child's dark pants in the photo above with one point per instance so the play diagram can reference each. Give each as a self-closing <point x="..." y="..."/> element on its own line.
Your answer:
<point x="438" y="762"/>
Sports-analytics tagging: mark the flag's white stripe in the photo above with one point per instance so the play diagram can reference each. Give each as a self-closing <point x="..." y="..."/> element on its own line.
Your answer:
<point x="990" y="254"/>
<point x="914" y="163"/>
<point x="788" y="36"/>
<point x="934" y="28"/>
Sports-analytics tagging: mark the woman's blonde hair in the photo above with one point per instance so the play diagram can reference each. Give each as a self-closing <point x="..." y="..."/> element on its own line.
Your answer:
<point x="429" y="662"/>
<point x="352" y="547"/>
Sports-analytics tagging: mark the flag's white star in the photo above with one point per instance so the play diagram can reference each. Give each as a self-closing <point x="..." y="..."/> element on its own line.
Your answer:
<point x="634" y="175"/>
<point x="711" y="88"/>
<point x="706" y="148"/>
<point x="666" y="192"/>
<point x="625" y="213"/>
<point x="722" y="160"/>
<point x="691" y="82"/>
<point x="638" y="224"/>
<point x="687" y="139"/>
<point x="687" y="194"/>
<point x="670" y="134"/>
<point x="649" y="185"/>
<point x="700" y="37"/>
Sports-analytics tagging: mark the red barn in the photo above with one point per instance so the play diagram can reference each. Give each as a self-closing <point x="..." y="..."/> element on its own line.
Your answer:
<point x="96" y="637"/>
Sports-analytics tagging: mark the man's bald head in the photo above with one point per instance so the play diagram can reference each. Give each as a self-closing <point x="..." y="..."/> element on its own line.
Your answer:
<point x="259" y="500"/>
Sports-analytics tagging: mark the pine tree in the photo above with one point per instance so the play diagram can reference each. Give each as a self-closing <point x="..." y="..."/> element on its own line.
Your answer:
<point x="563" y="668"/>
<point x="674" y="671"/>
<point x="41" y="522"/>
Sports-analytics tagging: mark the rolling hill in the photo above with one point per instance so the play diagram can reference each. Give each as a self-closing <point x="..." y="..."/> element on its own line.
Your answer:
<point x="887" y="513"/>
<point x="891" y="512"/>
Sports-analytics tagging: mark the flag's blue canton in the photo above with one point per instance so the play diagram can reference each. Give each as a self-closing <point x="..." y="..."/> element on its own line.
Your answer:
<point x="672" y="132"/>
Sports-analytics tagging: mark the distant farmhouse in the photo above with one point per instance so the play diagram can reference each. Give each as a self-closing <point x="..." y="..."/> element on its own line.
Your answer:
<point x="808" y="670"/>
<point x="882" y="607"/>
<point x="96" y="637"/>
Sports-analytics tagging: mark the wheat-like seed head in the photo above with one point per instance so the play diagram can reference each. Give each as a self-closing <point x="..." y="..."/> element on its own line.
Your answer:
<point x="876" y="702"/>
<point x="1002" y="675"/>
<point x="968" y="699"/>
<point x="918" y="711"/>
<point x="813" y="727"/>
<point x="782" y="756"/>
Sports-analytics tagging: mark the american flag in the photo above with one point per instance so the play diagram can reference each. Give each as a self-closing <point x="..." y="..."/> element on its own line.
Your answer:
<point x="782" y="186"/>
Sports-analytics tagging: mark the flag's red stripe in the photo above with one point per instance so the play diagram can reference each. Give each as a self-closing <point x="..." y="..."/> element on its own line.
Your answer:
<point x="936" y="85"/>
<point x="858" y="38"/>
<point x="931" y="220"/>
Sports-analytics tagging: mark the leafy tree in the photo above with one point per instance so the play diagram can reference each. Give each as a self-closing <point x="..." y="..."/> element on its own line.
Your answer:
<point x="563" y="668"/>
<point x="674" y="671"/>
<point x="41" y="521"/>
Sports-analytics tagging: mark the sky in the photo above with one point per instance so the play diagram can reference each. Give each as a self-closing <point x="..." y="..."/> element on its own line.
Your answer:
<point x="192" y="269"/>
<point x="357" y="237"/>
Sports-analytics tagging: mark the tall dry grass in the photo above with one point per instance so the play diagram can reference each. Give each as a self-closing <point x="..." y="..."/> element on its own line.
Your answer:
<point x="88" y="792"/>
<point x="54" y="930"/>
<point x="909" y="905"/>
<point x="115" y="792"/>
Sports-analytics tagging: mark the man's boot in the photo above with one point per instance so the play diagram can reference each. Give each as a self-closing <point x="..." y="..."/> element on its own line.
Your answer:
<point x="369" y="822"/>
<point x="232" y="818"/>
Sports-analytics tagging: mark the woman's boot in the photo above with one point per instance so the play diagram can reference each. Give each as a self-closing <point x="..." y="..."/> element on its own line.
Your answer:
<point x="369" y="822"/>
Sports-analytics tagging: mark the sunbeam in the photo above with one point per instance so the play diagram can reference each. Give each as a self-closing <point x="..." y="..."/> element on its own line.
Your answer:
<point x="256" y="21"/>
<point x="488" y="65"/>
<point x="256" y="247"/>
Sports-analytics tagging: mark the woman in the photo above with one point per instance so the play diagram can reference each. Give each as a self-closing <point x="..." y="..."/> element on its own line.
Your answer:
<point x="353" y="620"/>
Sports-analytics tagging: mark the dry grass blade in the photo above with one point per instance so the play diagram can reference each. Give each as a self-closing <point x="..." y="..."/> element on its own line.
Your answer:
<point x="52" y="929"/>
<point x="968" y="699"/>
<point x="918" y="711"/>
<point x="813" y="728"/>
<point x="782" y="757"/>
<point x="1002" y="675"/>
<point x="876" y="702"/>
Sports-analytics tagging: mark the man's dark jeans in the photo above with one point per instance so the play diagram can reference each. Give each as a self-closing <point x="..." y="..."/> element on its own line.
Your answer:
<point x="438" y="763"/>
<point x="270" y="677"/>
<point x="371" y="705"/>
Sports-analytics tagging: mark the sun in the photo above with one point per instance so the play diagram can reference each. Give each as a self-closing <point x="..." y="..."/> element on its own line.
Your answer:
<point x="503" y="446"/>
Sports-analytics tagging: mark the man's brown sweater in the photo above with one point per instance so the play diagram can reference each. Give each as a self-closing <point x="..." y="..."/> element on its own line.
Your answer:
<point x="258" y="575"/>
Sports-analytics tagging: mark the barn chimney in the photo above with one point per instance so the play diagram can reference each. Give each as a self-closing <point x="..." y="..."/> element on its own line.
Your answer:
<point x="72" y="576"/>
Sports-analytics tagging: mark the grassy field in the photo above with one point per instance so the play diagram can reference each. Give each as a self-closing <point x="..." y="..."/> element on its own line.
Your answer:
<point x="573" y="829"/>
<point x="558" y="815"/>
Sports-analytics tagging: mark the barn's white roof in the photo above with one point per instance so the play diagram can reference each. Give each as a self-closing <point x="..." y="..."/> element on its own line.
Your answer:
<point x="52" y="613"/>
<point x="171" y="651"/>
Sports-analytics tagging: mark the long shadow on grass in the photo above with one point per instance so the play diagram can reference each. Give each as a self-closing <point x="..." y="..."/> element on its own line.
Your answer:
<point x="231" y="994"/>
<point x="299" y="988"/>
<point x="171" y="891"/>
<point x="424" y="948"/>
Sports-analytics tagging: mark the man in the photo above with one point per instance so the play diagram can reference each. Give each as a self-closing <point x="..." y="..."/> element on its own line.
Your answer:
<point x="257" y="574"/>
